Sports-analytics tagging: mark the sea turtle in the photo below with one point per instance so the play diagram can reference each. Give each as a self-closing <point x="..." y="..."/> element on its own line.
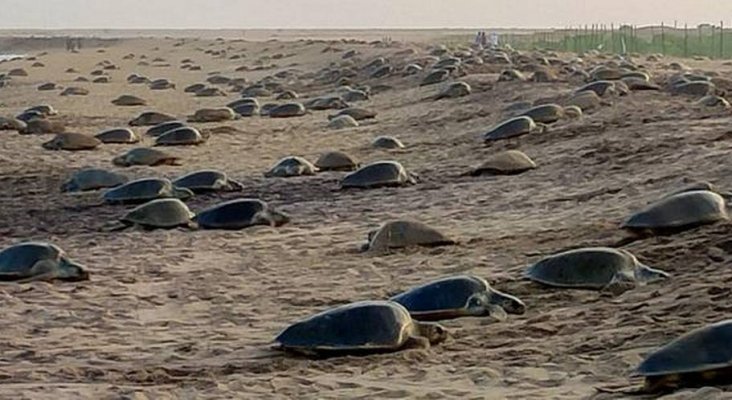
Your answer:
<point x="510" y="162"/>
<point x="359" y="114"/>
<point x="698" y="358"/>
<point x="72" y="141"/>
<point x="213" y="115"/>
<point x="39" y="261"/>
<point x="287" y="110"/>
<point x="379" y="174"/>
<point x="602" y="88"/>
<point x="543" y="75"/>
<point x="128" y="100"/>
<point x="355" y="95"/>
<point x="713" y="101"/>
<point x="93" y="179"/>
<point x="599" y="268"/>
<point x="545" y="113"/>
<point x="145" y="156"/>
<point x="207" y="180"/>
<point x="239" y="214"/>
<point x="42" y="126"/>
<point x="638" y="84"/>
<point x="458" y="296"/>
<point x="326" y="103"/>
<point x="454" y="90"/>
<point x="150" y="118"/>
<point x="343" y="121"/>
<point x="74" y="91"/>
<point x="387" y="142"/>
<point x="401" y="233"/>
<point x="288" y="95"/>
<point x="210" y="92"/>
<point x="183" y="136"/>
<point x="510" y="75"/>
<point x="146" y="189"/>
<point x="694" y="88"/>
<point x="194" y="88"/>
<point x="291" y="166"/>
<point x="512" y="128"/>
<point x="47" y="86"/>
<point x="44" y="109"/>
<point x="358" y="328"/>
<point x="12" y="124"/>
<point x="382" y="72"/>
<point x="118" y="135"/>
<point x="164" y="127"/>
<point x="336" y="161"/>
<point x="102" y="79"/>
<point x="572" y="112"/>
<point x="678" y="212"/>
<point x="246" y="109"/>
<point x="159" y="214"/>
<point x="603" y="73"/>
<point x="585" y="100"/>
<point x="243" y="101"/>
<point x="434" y="77"/>
<point x="161" y="84"/>
<point x="412" y="69"/>
<point x="29" y="115"/>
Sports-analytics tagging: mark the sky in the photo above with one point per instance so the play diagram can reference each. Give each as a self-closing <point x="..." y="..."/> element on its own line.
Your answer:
<point x="251" y="14"/>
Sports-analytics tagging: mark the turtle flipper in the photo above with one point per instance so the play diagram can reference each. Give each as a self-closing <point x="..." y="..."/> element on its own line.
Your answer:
<point x="235" y="186"/>
<point x="115" y="226"/>
<point x="497" y="312"/>
<point x="417" y="342"/>
<point x="618" y="286"/>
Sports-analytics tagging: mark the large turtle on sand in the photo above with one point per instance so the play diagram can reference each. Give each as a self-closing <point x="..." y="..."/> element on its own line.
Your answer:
<point x="387" y="142"/>
<point x="287" y="110"/>
<point x="510" y="162"/>
<point x="512" y="128"/>
<point x="359" y="114"/>
<point x="358" y="328"/>
<point x="678" y="212"/>
<point x="145" y="156"/>
<point x="545" y="113"/>
<point x="150" y="118"/>
<point x="118" y="135"/>
<point x="42" y="126"/>
<point x="239" y="214"/>
<point x="159" y="214"/>
<point x="213" y="115"/>
<point x="343" y="121"/>
<point x="128" y="100"/>
<point x="379" y="174"/>
<point x="12" y="124"/>
<point x="600" y="268"/>
<point x="183" y="136"/>
<point x="291" y="166"/>
<point x="72" y="141"/>
<point x="585" y="100"/>
<point x="434" y="77"/>
<point x="146" y="189"/>
<point x="454" y="90"/>
<point x="164" y="127"/>
<point x="208" y="180"/>
<point x="93" y="179"/>
<point x="38" y="261"/>
<point x="399" y="234"/>
<point x="336" y="161"/>
<point x="702" y="357"/>
<point x="458" y="296"/>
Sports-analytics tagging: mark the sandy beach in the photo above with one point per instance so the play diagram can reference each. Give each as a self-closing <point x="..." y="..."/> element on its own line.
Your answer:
<point x="180" y="314"/>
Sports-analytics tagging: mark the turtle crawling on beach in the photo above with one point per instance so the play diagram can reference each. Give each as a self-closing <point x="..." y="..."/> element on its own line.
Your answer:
<point x="291" y="166"/>
<point x="510" y="162"/>
<point x="598" y="268"/>
<point x="93" y="179"/>
<point x="379" y="174"/>
<point x="358" y="328"/>
<point x="208" y="180"/>
<point x="142" y="190"/>
<point x="239" y="214"/>
<point x="72" y="141"/>
<point x="159" y="214"/>
<point x="512" y="128"/>
<point x="458" y="296"/>
<point x="401" y="233"/>
<point x="145" y="156"/>
<point x="38" y="261"/>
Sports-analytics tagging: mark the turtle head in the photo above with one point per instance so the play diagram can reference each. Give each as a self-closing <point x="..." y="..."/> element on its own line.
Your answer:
<point x="69" y="186"/>
<point x="435" y="333"/>
<point x="182" y="193"/>
<point x="71" y="271"/>
<point x="235" y="186"/>
<point x="279" y="218"/>
<point x="510" y="304"/>
<point x="646" y="274"/>
<point x="53" y="144"/>
<point x="121" y="161"/>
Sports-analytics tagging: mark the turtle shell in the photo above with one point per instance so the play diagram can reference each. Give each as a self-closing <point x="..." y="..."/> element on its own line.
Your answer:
<point x="545" y="113"/>
<point x="33" y="259"/>
<point x="703" y="349"/>
<point x="367" y="325"/>
<point x="343" y="121"/>
<point x="118" y="135"/>
<point x="378" y="174"/>
<point x="287" y="110"/>
<point x="400" y="234"/>
<point x="129" y="101"/>
<point x="510" y="162"/>
<point x="140" y="190"/>
<point x="159" y="213"/>
<point x="453" y="90"/>
<point x="150" y="118"/>
<point x="180" y="137"/>
<point x="246" y="109"/>
<point x="694" y="88"/>
<point x="239" y="214"/>
<point x="434" y="77"/>
<point x="358" y="114"/>
<point x="336" y="161"/>
<point x="144" y="156"/>
<point x="72" y="141"/>
<point x="585" y="100"/>
<point x="601" y="88"/>
<point x="213" y="115"/>
<point x="588" y="268"/>
<point x="387" y="142"/>
<point x="207" y="180"/>
<point x="164" y="127"/>
<point x="514" y="127"/>
<point x="291" y="166"/>
<point x="93" y="179"/>
<point x="679" y="211"/>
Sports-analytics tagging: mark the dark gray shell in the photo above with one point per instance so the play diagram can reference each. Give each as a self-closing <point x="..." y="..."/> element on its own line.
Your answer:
<point x="118" y="135"/>
<point x="358" y="114"/>
<point x="545" y="113"/>
<point x="368" y="325"/>
<point x="246" y="109"/>
<point x="38" y="260"/>
<point x="378" y="174"/>
<point x="454" y="90"/>
<point x="336" y="161"/>
<point x="434" y="77"/>
<point x="591" y="268"/>
<point x="510" y="162"/>
<point x="150" y="118"/>
<point x="683" y="210"/>
<point x="695" y="88"/>
<point x="514" y="127"/>
<point x="402" y="233"/>
<point x="127" y="100"/>
<point x="142" y="190"/>
<point x="455" y="296"/>
<point x="703" y="349"/>
<point x="239" y="214"/>
<point x="291" y="166"/>
<point x="93" y="179"/>
<point x="287" y="110"/>
<point x="387" y="142"/>
<point x="144" y="156"/>
<point x="183" y="136"/>
<point x="600" y="87"/>
<point x="164" y="127"/>
<point x="207" y="181"/>
<point x="159" y="213"/>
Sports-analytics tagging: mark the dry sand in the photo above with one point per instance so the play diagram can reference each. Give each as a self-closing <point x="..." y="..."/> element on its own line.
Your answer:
<point x="190" y="315"/>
